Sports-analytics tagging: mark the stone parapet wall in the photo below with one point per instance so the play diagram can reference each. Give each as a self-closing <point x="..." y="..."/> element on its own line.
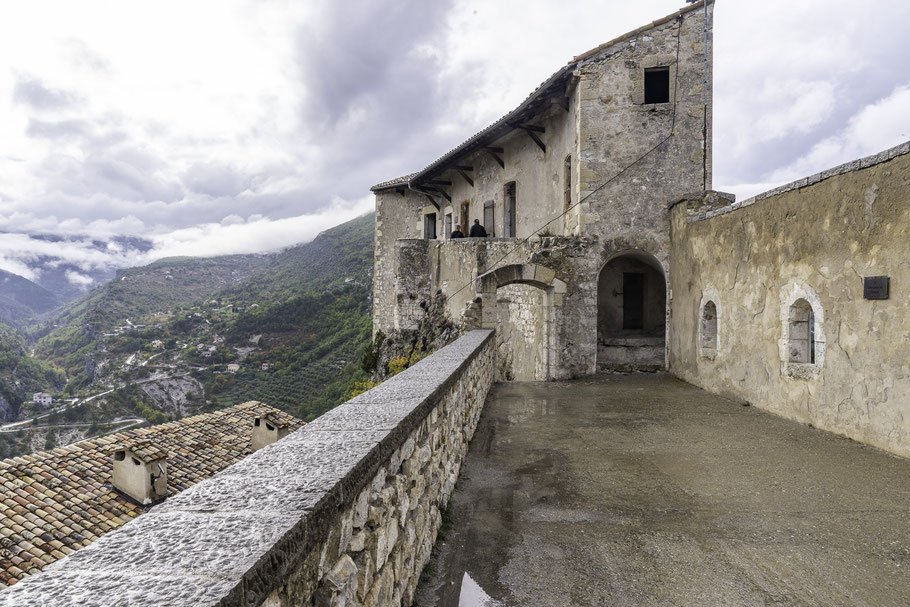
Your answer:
<point x="731" y="205"/>
<point x="785" y="272"/>
<point x="342" y="512"/>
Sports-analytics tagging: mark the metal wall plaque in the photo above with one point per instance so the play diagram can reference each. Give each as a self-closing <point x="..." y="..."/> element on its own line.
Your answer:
<point x="875" y="287"/>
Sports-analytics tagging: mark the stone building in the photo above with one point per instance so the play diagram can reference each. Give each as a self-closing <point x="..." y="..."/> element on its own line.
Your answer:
<point x="42" y="398"/>
<point x="608" y="250"/>
<point x="571" y="186"/>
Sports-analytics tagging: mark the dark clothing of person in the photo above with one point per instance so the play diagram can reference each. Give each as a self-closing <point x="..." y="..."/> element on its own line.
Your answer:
<point x="457" y="234"/>
<point x="477" y="231"/>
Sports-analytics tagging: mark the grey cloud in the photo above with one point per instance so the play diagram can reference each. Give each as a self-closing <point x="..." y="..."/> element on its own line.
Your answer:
<point x="858" y="79"/>
<point x="82" y="56"/>
<point x="363" y="49"/>
<point x="364" y="58"/>
<point x="122" y="172"/>
<point x="33" y="92"/>
<point x="215" y="180"/>
<point x="61" y="129"/>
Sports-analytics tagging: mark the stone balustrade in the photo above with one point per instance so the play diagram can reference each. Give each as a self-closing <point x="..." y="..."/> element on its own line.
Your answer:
<point x="342" y="512"/>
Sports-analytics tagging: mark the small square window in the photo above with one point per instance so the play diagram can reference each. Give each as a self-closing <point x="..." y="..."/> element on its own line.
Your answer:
<point x="657" y="85"/>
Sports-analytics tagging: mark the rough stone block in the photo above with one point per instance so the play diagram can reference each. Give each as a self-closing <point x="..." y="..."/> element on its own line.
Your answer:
<point x="103" y="589"/>
<point x="181" y="543"/>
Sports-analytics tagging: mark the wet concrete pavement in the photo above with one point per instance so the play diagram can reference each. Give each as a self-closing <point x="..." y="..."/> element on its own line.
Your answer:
<point x="644" y="490"/>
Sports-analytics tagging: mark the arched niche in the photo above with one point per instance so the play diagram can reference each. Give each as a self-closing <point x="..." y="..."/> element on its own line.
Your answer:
<point x="631" y="312"/>
<point x="802" y="342"/>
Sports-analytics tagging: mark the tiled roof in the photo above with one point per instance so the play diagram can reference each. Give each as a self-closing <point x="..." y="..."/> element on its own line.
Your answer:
<point x="504" y="125"/>
<point x="55" y="502"/>
<point x="398" y="181"/>
<point x="276" y="420"/>
<point x="144" y="449"/>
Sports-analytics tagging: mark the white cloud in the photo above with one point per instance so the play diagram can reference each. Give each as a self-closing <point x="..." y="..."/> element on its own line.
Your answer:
<point x="18" y="267"/>
<point x="80" y="280"/>
<point x="80" y="252"/>
<point x="874" y="128"/>
<point x="22" y="254"/>
<point x="256" y="235"/>
<point x="798" y="107"/>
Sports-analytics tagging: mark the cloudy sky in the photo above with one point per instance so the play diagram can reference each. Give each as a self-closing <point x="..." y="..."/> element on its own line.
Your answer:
<point x="224" y="126"/>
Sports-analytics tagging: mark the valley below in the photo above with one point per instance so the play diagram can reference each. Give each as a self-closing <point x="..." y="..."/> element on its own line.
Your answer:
<point x="184" y="336"/>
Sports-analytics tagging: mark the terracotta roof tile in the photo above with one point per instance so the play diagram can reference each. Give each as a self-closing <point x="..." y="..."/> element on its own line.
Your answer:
<point x="398" y="181"/>
<point x="55" y="502"/>
<point x="143" y="449"/>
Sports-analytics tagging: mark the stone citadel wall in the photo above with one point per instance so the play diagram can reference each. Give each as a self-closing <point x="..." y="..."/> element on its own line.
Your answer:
<point x="810" y="242"/>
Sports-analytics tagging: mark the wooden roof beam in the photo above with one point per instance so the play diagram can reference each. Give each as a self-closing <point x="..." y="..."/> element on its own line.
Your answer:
<point x="441" y="193"/>
<point x="464" y="176"/>
<point x="495" y="153"/>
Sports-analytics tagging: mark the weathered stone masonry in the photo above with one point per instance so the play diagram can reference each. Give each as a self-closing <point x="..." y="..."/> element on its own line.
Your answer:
<point x="767" y="262"/>
<point x="591" y="162"/>
<point x="342" y="512"/>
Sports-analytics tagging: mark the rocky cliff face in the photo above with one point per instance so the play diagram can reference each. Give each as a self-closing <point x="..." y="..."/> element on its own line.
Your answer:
<point x="434" y="331"/>
<point x="8" y="412"/>
<point x="172" y="393"/>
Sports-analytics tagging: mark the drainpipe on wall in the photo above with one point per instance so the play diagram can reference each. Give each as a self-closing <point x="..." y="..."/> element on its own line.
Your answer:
<point x="704" y="127"/>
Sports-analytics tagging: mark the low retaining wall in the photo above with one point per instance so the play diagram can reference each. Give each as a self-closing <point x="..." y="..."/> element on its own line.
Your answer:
<point x="342" y="512"/>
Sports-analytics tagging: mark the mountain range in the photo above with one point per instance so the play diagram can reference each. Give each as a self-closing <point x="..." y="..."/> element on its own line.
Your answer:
<point x="186" y="335"/>
<point x="21" y="298"/>
<point x="70" y="265"/>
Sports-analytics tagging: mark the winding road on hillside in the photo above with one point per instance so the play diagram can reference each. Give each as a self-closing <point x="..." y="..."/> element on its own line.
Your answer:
<point x="29" y="423"/>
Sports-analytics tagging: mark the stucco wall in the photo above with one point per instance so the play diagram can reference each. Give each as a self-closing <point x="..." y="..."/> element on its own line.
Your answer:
<point x="538" y="176"/>
<point x="814" y="240"/>
<point x="343" y="512"/>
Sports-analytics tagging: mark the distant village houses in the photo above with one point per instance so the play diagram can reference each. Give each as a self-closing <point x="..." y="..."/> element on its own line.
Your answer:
<point x="42" y="398"/>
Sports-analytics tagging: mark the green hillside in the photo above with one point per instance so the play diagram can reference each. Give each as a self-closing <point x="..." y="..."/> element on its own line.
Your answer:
<point x="314" y="319"/>
<point x="20" y="374"/>
<point x="295" y="323"/>
<point x="20" y="298"/>
<point x="139" y="297"/>
<point x="340" y="254"/>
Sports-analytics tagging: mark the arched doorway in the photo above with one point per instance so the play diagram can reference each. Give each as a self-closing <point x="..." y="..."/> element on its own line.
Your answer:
<point x="522" y="332"/>
<point x="521" y="301"/>
<point x="631" y="313"/>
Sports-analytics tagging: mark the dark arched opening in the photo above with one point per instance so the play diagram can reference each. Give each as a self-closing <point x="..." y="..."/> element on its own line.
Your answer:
<point x="631" y="313"/>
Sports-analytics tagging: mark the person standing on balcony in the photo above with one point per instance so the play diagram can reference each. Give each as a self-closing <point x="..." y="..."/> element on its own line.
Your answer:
<point x="457" y="233"/>
<point x="477" y="230"/>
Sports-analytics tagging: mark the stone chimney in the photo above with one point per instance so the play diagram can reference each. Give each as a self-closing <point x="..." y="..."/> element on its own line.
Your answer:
<point x="140" y="471"/>
<point x="267" y="429"/>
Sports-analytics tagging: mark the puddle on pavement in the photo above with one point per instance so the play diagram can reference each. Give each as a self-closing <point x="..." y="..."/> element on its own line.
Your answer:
<point x="472" y="595"/>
